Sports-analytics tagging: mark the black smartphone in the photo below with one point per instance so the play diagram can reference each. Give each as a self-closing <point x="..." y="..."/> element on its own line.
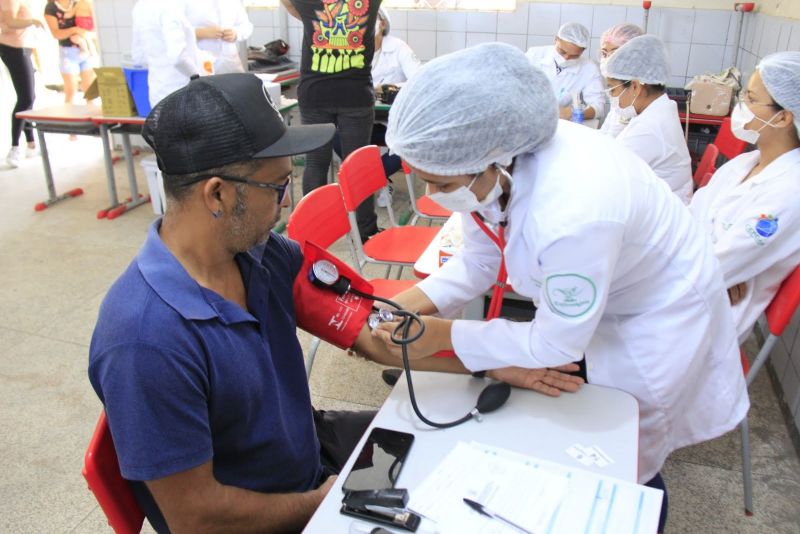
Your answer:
<point x="380" y="460"/>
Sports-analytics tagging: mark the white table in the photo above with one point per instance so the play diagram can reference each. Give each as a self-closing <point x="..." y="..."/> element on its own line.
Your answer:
<point x="529" y="423"/>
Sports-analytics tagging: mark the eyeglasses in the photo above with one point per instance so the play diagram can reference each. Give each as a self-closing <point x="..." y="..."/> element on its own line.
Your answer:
<point x="280" y="189"/>
<point x="742" y="96"/>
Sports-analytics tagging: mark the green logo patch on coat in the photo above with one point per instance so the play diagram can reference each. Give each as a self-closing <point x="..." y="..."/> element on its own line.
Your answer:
<point x="570" y="295"/>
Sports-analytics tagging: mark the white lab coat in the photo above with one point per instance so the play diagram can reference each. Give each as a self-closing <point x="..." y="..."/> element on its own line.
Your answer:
<point x="656" y="136"/>
<point x="394" y="62"/>
<point x="583" y="78"/>
<point x="619" y="272"/>
<point x="163" y="40"/>
<point x="749" y="248"/>
<point x="227" y="14"/>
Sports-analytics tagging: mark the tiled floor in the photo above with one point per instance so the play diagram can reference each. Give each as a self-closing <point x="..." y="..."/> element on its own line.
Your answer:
<point x="55" y="267"/>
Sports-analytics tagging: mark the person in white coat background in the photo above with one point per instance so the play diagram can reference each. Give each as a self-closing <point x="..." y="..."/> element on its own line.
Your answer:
<point x="164" y="41"/>
<point x="610" y="41"/>
<point x="570" y="72"/>
<point x="751" y="206"/>
<point x="615" y="265"/>
<point x="219" y="26"/>
<point x="394" y="61"/>
<point x="637" y="75"/>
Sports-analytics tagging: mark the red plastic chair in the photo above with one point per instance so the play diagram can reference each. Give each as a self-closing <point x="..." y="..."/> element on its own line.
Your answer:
<point x="706" y="166"/>
<point x="361" y="175"/>
<point x="320" y="217"/>
<point x="423" y="207"/>
<point x="728" y="144"/>
<point x="101" y="471"/>
<point x="779" y="313"/>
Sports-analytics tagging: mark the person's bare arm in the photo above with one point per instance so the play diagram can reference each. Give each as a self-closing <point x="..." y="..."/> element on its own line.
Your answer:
<point x="291" y="9"/>
<point x="59" y="33"/>
<point x="193" y="501"/>
<point x="546" y="381"/>
<point x="12" y="21"/>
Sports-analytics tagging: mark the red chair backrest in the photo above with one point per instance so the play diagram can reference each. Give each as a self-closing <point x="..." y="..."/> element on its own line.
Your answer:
<point x="101" y="471"/>
<point x="728" y="144"/>
<point x="784" y="303"/>
<point x="706" y="165"/>
<point x="320" y="216"/>
<point x="360" y="175"/>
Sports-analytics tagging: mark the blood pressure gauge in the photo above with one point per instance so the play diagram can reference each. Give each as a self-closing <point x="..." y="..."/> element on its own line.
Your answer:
<point x="324" y="274"/>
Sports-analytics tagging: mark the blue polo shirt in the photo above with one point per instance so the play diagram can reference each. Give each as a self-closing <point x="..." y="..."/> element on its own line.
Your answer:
<point x="187" y="376"/>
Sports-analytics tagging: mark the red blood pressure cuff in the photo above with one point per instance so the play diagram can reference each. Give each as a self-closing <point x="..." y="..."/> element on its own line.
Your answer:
<point x="337" y="319"/>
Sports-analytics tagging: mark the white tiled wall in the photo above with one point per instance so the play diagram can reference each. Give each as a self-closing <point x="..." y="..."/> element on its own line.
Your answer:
<point x="698" y="41"/>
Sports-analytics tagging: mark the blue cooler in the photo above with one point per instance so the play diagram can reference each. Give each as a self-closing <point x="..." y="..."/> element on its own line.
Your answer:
<point x="136" y="77"/>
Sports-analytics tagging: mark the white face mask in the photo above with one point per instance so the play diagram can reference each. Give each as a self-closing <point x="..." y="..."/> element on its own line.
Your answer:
<point x="628" y="112"/>
<point x="603" y="65"/>
<point x="562" y="63"/>
<point x="463" y="200"/>
<point x="741" y="116"/>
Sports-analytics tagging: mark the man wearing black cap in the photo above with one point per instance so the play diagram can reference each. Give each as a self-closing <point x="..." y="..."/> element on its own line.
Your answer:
<point x="195" y="355"/>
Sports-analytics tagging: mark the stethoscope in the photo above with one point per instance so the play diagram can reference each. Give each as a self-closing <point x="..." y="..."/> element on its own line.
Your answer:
<point x="324" y="274"/>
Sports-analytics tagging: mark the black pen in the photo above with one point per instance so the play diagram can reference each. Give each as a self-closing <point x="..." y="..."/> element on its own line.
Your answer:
<point x="481" y="509"/>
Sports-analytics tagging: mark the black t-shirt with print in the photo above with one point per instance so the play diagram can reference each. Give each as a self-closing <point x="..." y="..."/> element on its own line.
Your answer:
<point x="338" y="44"/>
<point x="64" y="23"/>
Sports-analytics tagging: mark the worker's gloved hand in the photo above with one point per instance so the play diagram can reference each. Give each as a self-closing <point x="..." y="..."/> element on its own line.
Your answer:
<point x="335" y="318"/>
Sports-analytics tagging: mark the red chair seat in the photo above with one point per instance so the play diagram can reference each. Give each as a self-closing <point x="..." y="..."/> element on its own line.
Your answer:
<point x="388" y="288"/>
<point x="428" y="207"/>
<point x="401" y="244"/>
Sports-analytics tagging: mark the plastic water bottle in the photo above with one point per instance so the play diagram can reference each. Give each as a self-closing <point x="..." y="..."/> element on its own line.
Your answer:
<point x="577" y="109"/>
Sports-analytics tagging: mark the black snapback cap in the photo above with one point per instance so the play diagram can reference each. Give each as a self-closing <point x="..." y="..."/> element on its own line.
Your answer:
<point x="224" y="119"/>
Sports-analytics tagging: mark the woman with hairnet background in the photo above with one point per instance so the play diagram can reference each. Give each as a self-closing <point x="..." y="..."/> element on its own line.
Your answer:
<point x="610" y="41"/>
<point x="570" y="72"/>
<point x="751" y="206"/>
<point x="618" y="270"/>
<point x="637" y="75"/>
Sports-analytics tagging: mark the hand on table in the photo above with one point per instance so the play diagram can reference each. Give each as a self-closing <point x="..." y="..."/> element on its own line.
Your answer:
<point x="435" y="338"/>
<point x="550" y="382"/>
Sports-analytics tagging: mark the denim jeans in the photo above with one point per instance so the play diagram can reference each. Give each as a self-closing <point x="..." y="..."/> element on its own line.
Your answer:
<point x="354" y="127"/>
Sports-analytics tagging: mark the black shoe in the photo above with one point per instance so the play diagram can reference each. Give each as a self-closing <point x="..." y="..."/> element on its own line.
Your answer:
<point x="391" y="376"/>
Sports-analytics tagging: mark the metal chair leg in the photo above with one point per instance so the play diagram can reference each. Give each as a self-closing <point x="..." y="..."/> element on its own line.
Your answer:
<point x="747" y="473"/>
<point x="312" y="353"/>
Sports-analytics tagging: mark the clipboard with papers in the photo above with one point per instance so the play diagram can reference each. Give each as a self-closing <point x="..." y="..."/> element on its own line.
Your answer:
<point x="537" y="495"/>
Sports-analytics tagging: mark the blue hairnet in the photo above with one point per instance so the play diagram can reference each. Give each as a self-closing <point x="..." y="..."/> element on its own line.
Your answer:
<point x="575" y="33"/>
<point x="466" y="110"/>
<point x="643" y="58"/>
<point x="780" y="73"/>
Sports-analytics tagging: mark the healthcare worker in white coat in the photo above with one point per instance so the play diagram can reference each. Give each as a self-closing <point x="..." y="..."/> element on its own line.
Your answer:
<point x="610" y="41"/>
<point x="164" y="41"/>
<point x="571" y="72"/>
<point x="219" y="26"/>
<point x="616" y="266"/>
<point x="637" y="75"/>
<point x="394" y="61"/>
<point x="751" y="206"/>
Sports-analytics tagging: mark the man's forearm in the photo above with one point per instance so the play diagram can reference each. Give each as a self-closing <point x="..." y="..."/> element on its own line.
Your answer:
<point x="193" y="501"/>
<point x="374" y="349"/>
